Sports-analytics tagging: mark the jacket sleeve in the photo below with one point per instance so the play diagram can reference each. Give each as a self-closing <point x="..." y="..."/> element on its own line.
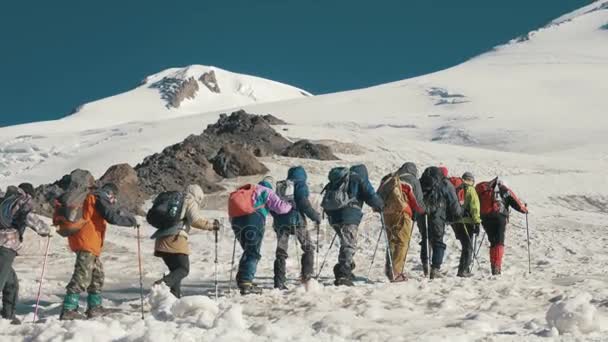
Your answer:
<point x="369" y="195"/>
<point x="454" y="208"/>
<point x="473" y="206"/>
<point x="513" y="201"/>
<point x="305" y="207"/>
<point x="412" y="200"/>
<point x="113" y="215"/>
<point x="195" y="219"/>
<point x="275" y="204"/>
<point x="418" y="194"/>
<point x="37" y="225"/>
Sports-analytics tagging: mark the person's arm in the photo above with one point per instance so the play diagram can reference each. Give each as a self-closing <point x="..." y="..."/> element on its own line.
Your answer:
<point x="306" y="208"/>
<point x="195" y="218"/>
<point x="474" y="207"/>
<point x="369" y="195"/>
<point x="411" y="199"/>
<point x="37" y="225"/>
<point x="418" y="194"/>
<point x="275" y="204"/>
<point x="113" y="215"/>
<point x="513" y="201"/>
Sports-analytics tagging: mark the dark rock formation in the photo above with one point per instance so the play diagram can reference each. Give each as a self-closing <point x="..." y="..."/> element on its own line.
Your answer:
<point x="308" y="150"/>
<point x="209" y="80"/>
<point x="233" y="161"/>
<point x="130" y="196"/>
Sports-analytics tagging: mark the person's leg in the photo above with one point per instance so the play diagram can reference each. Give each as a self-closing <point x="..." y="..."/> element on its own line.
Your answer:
<point x="94" y="289"/>
<point x="424" y="243"/>
<point x="250" y="239"/>
<point x="348" y="246"/>
<point x="460" y="236"/>
<point x="308" y="253"/>
<point x="501" y="225"/>
<point x="179" y="267"/>
<point x="437" y="231"/>
<point x="398" y="234"/>
<point x="280" y="257"/>
<point x="10" y="295"/>
<point x="7" y="280"/>
<point x="81" y="280"/>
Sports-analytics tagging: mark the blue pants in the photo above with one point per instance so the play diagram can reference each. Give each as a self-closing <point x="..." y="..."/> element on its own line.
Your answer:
<point x="249" y="231"/>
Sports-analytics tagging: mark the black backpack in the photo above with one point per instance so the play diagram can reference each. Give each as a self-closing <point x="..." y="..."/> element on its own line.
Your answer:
<point x="166" y="211"/>
<point x="431" y="182"/>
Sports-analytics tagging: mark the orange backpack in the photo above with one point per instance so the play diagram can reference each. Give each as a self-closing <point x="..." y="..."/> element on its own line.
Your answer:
<point x="459" y="185"/>
<point x="240" y="202"/>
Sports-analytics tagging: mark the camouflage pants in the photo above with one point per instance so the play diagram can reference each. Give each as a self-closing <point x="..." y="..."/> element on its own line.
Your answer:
<point x="88" y="274"/>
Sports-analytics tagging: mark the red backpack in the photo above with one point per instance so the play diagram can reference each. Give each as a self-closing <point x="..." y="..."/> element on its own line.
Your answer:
<point x="459" y="185"/>
<point x="488" y="202"/>
<point x="240" y="202"/>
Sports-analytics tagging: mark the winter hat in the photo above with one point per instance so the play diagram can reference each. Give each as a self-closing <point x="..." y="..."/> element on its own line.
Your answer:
<point x="27" y="188"/>
<point x="468" y="176"/>
<point x="444" y="170"/>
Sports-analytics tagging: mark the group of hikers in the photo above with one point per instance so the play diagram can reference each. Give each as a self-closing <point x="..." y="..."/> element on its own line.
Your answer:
<point x="433" y="201"/>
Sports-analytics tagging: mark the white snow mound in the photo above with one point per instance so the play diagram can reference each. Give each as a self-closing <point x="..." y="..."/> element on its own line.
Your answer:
<point x="573" y="314"/>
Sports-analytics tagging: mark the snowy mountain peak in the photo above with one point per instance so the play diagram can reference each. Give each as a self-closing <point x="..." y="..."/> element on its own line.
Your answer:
<point x="184" y="91"/>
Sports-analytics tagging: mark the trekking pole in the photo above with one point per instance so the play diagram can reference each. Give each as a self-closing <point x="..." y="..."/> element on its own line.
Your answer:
<point x="478" y="248"/>
<point x="474" y="254"/>
<point x="474" y="244"/>
<point x="141" y="276"/>
<point x="296" y="244"/>
<point x="317" y="254"/>
<point x="369" y="271"/>
<point x="216" y="262"/>
<point x="428" y="245"/>
<point x="388" y="246"/>
<point x="529" y="256"/>
<point x="46" y="254"/>
<point x="232" y="264"/>
<point x="326" y="254"/>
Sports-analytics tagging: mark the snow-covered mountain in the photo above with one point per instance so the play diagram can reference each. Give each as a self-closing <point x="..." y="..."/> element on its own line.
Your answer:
<point x="532" y="110"/>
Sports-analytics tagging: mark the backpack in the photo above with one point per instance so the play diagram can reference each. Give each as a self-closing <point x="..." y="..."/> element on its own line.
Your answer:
<point x="166" y="211"/>
<point x="286" y="190"/>
<point x="391" y="192"/>
<point x="490" y="199"/>
<point x="69" y="213"/>
<point x="240" y="202"/>
<point x="460" y="187"/>
<point x="431" y="183"/>
<point x="336" y="195"/>
<point x="9" y="207"/>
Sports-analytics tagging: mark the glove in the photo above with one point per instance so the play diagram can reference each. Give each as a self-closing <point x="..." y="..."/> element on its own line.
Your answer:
<point x="216" y="225"/>
<point x="476" y="229"/>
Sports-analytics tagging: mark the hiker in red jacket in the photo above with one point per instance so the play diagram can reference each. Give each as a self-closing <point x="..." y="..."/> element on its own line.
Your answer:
<point x="495" y="200"/>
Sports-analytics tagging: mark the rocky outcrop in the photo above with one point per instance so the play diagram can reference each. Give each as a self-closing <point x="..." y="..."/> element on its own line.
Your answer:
<point x="46" y="194"/>
<point x="176" y="90"/>
<point x="308" y="150"/>
<point x="233" y="161"/>
<point x="209" y="80"/>
<point x="176" y="167"/>
<point x="273" y="120"/>
<point x="130" y="196"/>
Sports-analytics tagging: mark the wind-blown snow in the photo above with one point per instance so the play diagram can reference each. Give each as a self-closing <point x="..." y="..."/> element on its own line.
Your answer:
<point x="533" y="112"/>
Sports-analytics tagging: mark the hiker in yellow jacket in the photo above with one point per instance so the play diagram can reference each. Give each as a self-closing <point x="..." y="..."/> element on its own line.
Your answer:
<point x="468" y="226"/>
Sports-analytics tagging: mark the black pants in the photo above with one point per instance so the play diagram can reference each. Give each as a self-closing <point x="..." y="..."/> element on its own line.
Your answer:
<point x="9" y="284"/>
<point x="179" y="267"/>
<point x="436" y="233"/>
<point x="495" y="227"/>
<point x="308" y="252"/>
<point x="464" y="234"/>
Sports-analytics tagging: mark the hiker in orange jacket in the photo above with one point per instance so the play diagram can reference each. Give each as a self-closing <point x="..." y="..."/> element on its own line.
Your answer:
<point x="99" y="209"/>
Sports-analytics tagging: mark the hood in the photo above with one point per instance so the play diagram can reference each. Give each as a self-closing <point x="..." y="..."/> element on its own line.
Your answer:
<point x="297" y="174"/>
<point x="196" y="192"/>
<point x="361" y="170"/>
<point x="410" y="168"/>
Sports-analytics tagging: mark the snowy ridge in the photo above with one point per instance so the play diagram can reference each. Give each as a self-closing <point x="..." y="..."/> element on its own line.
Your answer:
<point x="532" y="112"/>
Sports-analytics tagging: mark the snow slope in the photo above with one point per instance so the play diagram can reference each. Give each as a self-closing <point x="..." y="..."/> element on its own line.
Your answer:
<point x="532" y="111"/>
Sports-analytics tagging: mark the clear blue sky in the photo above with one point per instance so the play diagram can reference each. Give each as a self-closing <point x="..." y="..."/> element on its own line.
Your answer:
<point x="56" y="55"/>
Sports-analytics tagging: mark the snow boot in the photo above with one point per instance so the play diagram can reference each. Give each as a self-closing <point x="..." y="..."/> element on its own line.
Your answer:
<point x="69" y="310"/>
<point x="399" y="278"/>
<point x="249" y="288"/>
<point x="71" y="315"/>
<point x="280" y="286"/>
<point x="15" y="321"/>
<point x="94" y="307"/>
<point x="344" y="281"/>
<point x="436" y="273"/>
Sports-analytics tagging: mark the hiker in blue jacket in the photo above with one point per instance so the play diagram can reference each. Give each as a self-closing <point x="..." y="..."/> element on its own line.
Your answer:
<point x="346" y="221"/>
<point x="295" y="223"/>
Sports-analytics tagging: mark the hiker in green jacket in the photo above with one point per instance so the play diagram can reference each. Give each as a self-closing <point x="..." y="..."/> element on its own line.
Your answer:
<point x="468" y="226"/>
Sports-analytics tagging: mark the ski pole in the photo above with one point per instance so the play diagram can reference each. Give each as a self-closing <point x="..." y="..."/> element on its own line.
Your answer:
<point x="232" y="264"/>
<point x="215" y="264"/>
<point x="46" y="254"/>
<point x="388" y="246"/>
<point x="326" y="254"/>
<point x="529" y="256"/>
<point x="317" y="254"/>
<point x="369" y="271"/>
<point x="141" y="276"/>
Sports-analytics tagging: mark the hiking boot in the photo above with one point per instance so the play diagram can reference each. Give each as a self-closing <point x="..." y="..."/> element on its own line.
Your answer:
<point x="399" y="278"/>
<point x="249" y="288"/>
<point x="496" y="270"/>
<point x="344" y="282"/>
<point x="15" y="321"/>
<point x="464" y="274"/>
<point x="98" y="311"/>
<point x="436" y="273"/>
<point x="281" y="286"/>
<point x="70" y="315"/>
<point x="305" y="278"/>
